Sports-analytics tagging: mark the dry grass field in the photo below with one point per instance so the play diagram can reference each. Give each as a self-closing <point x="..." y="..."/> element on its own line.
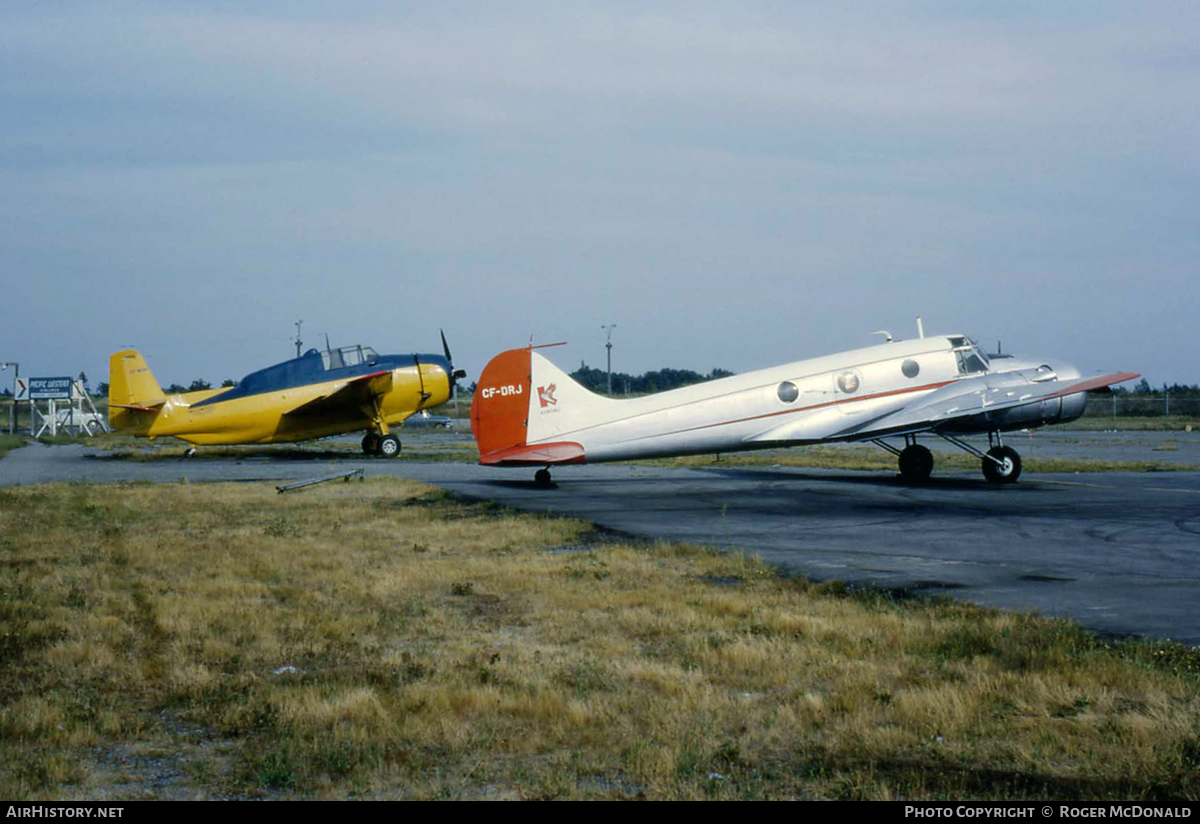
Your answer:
<point x="379" y="639"/>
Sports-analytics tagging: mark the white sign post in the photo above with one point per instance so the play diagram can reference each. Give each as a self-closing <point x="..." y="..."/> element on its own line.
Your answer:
<point x="71" y="415"/>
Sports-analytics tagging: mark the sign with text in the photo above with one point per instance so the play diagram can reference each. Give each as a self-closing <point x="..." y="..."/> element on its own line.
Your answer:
<point x="45" y="389"/>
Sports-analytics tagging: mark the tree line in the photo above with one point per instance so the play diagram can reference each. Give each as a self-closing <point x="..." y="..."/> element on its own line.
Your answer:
<point x="658" y="380"/>
<point x="1143" y="389"/>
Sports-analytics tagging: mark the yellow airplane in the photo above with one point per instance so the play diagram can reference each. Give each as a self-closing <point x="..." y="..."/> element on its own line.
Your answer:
<point x="312" y="396"/>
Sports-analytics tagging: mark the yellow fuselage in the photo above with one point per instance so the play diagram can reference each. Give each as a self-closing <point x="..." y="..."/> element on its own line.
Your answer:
<point x="265" y="418"/>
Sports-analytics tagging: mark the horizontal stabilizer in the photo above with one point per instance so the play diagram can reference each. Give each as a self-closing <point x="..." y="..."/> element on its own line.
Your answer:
<point x="543" y="454"/>
<point x="144" y="406"/>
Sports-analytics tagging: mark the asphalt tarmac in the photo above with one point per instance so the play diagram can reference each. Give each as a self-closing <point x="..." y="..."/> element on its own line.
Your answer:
<point x="1119" y="552"/>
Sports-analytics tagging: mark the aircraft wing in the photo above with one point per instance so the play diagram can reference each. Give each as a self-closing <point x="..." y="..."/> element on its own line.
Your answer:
<point x="350" y="394"/>
<point x="975" y="396"/>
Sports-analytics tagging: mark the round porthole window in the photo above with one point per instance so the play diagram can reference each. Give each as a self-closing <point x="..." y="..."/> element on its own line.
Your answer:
<point x="848" y="382"/>
<point x="788" y="392"/>
<point x="910" y="368"/>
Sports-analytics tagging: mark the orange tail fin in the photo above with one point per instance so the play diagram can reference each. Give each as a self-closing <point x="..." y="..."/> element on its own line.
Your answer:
<point x="500" y="409"/>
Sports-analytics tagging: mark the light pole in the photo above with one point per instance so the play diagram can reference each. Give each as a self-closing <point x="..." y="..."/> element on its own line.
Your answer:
<point x="608" y="346"/>
<point x="12" y="410"/>
<point x="298" y="341"/>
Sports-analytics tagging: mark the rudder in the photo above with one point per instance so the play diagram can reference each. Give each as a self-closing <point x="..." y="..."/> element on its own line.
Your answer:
<point x="500" y="408"/>
<point x="133" y="393"/>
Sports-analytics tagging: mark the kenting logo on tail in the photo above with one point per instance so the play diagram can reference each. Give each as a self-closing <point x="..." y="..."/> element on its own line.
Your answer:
<point x="546" y="395"/>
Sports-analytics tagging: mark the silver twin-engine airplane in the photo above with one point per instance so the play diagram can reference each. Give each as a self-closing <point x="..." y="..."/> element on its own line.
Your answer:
<point x="528" y="412"/>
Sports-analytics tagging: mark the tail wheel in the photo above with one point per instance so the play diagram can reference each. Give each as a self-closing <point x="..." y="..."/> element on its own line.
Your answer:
<point x="916" y="462"/>
<point x="1006" y="467"/>
<point x="542" y="477"/>
<point x="389" y="446"/>
<point x="370" y="443"/>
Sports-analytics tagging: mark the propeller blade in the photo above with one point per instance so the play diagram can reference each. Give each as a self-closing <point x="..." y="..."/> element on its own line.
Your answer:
<point x="455" y="374"/>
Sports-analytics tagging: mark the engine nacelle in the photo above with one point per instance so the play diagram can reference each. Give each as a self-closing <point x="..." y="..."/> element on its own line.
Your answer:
<point x="1038" y="413"/>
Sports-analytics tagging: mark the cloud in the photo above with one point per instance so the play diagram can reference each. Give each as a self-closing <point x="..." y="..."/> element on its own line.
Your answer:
<point x="698" y="173"/>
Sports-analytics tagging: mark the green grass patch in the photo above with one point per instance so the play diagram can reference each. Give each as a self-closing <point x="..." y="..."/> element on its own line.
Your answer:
<point x="10" y="442"/>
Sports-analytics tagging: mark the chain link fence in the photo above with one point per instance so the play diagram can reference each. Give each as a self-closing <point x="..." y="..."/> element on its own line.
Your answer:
<point x="1142" y="412"/>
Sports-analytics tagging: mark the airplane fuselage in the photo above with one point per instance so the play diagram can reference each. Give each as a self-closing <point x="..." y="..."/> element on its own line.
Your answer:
<point x="527" y="412"/>
<point x="206" y="418"/>
<point x="282" y="403"/>
<point x="825" y="398"/>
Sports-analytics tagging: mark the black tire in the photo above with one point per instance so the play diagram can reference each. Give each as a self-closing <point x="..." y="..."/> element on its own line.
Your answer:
<point x="1006" y="473"/>
<point x="389" y="446"/>
<point x="916" y="463"/>
<point x="370" y="443"/>
<point x="542" y="477"/>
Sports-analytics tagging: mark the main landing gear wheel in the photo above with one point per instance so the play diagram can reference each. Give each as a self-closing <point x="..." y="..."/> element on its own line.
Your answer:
<point x="370" y="443"/>
<point x="542" y="477"/>
<point x="389" y="446"/>
<point x="1007" y="470"/>
<point x="916" y="462"/>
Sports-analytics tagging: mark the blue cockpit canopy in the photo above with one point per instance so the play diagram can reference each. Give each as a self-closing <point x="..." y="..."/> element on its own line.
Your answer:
<point x="347" y="356"/>
<point x="308" y="368"/>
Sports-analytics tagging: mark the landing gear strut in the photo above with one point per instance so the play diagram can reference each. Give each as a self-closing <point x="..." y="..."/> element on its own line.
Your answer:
<point x="1001" y="464"/>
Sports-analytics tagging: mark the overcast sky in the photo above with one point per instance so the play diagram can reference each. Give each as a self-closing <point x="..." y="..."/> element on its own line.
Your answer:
<point x="732" y="185"/>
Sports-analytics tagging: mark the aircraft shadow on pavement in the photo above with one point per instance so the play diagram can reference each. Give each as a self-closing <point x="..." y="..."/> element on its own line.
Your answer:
<point x="799" y="477"/>
<point x="881" y="479"/>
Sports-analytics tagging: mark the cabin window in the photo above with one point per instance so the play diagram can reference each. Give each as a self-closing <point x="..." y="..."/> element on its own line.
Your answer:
<point x="910" y="368"/>
<point x="788" y="392"/>
<point x="848" y="382"/>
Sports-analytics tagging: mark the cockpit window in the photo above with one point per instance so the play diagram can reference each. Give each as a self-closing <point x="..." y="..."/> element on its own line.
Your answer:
<point x="971" y="358"/>
<point x="969" y="362"/>
<point x="347" y="356"/>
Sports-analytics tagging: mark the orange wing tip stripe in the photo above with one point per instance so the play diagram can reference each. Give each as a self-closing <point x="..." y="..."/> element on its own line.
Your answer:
<point x="564" y="452"/>
<point x="1094" y="383"/>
